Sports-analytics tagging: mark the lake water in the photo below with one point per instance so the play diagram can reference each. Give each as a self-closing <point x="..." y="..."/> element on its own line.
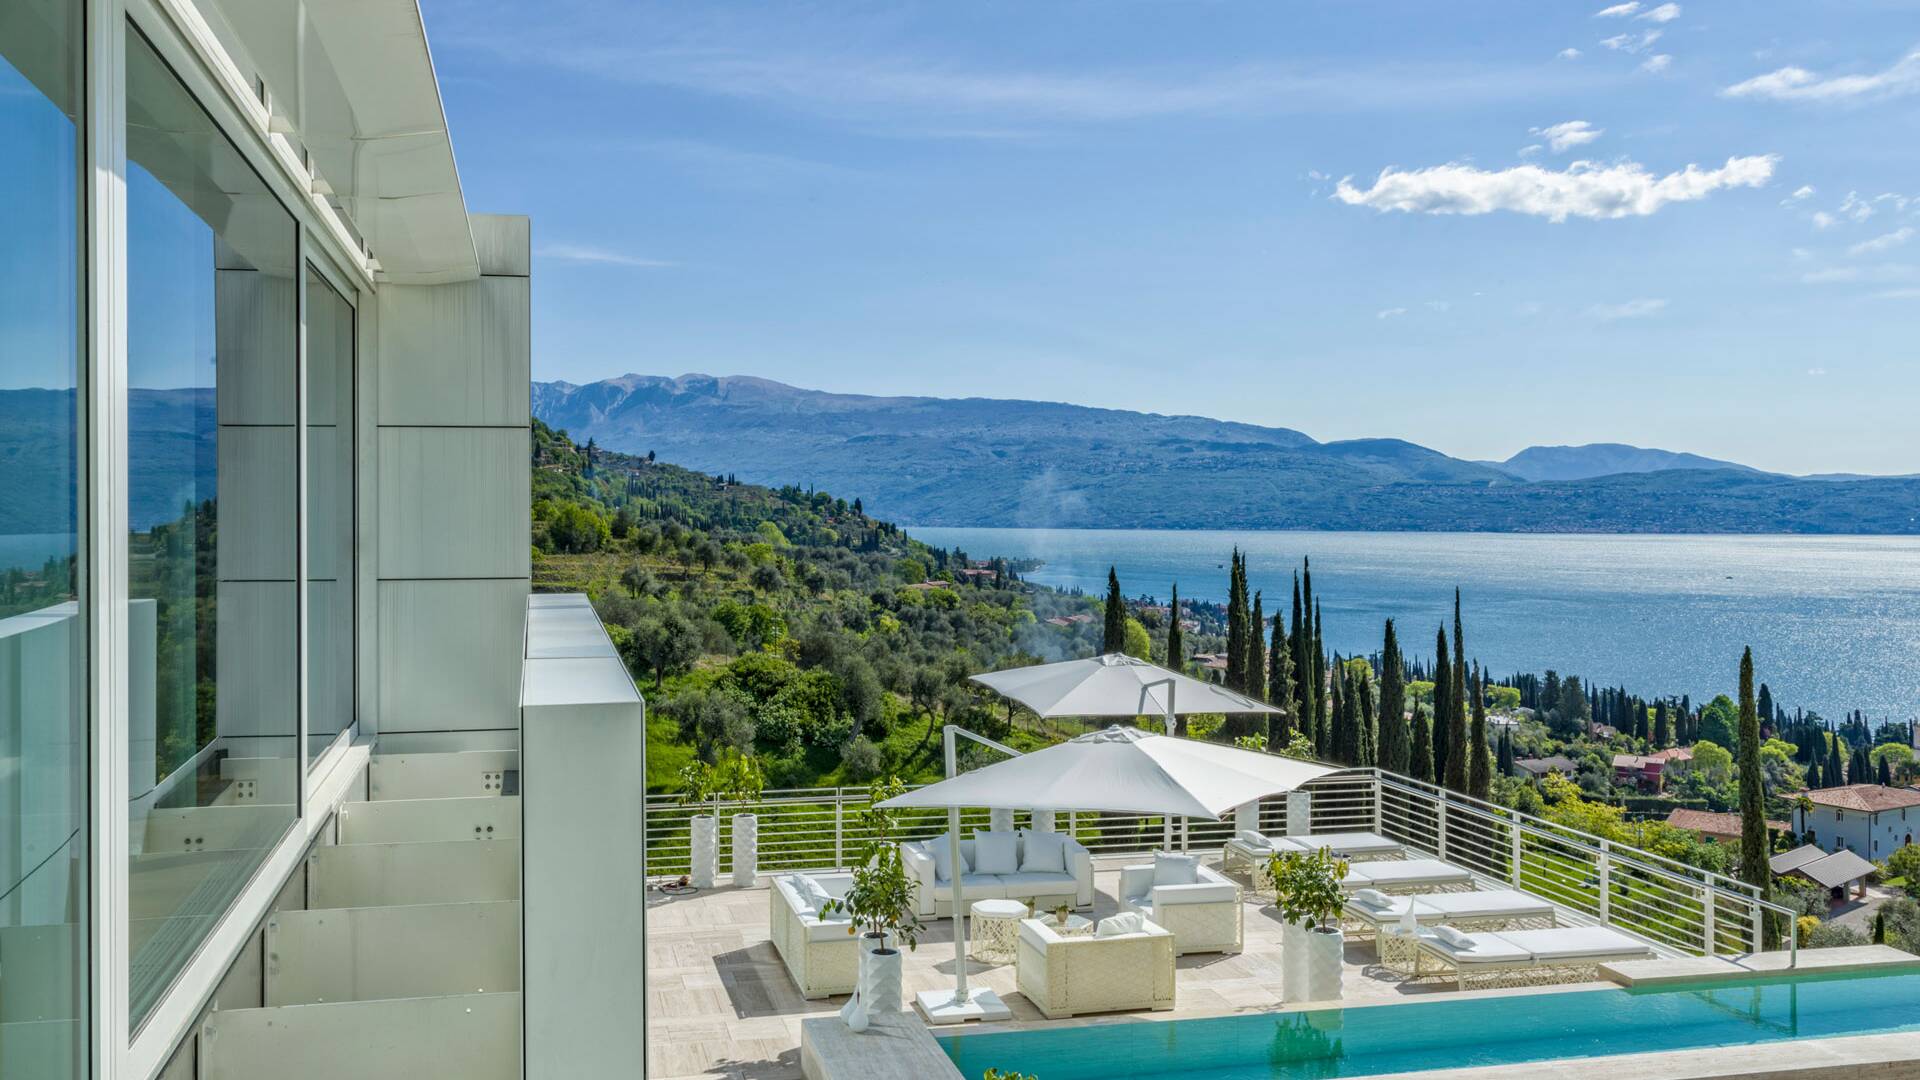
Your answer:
<point x="1834" y="621"/>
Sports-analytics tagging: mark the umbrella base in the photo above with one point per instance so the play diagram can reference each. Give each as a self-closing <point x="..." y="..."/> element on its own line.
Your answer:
<point x="939" y="1006"/>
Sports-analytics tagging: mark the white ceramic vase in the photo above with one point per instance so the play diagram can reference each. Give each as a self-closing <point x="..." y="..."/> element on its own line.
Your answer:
<point x="881" y="985"/>
<point x="867" y="943"/>
<point x="705" y="851"/>
<point x="1326" y="950"/>
<point x="746" y="850"/>
<point x="1293" y="963"/>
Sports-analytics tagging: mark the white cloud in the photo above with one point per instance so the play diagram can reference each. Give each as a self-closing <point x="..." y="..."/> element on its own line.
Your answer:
<point x="1390" y="313"/>
<point x="1570" y="53"/>
<point x="1665" y="13"/>
<point x="1842" y="275"/>
<point x="1584" y="189"/>
<point x="1632" y="43"/>
<point x="1816" y="371"/>
<point x="1531" y="149"/>
<point x="1632" y="309"/>
<point x="1439" y="305"/>
<point x="1824" y="220"/>
<point x="580" y="253"/>
<point x="1565" y="136"/>
<point x="1800" y="194"/>
<point x="1654" y="65"/>
<point x="1885" y="242"/>
<point x="1618" y="11"/>
<point x="1855" y="207"/>
<point x="1897" y="294"/>
<point x="1799" y="84"/>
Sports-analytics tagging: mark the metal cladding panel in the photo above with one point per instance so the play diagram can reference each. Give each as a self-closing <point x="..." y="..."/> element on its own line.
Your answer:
<point x="258" y="636"/>
<point x="398" y="821"/>
<point x="458" y="354"/>
<point x="363" y="954"/>
<point x="454" y="503"/>
<point x="470" y="1036"/>
<point x="504" y="243"/>
<point x="379" y="875"/>
<point x="436" y="774"/>
<point x="258" y="493"/>
<point x="449" y="654"/>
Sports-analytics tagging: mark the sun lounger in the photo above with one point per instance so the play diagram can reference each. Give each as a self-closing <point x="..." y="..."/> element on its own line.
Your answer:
<point x="1524" y="957"/>
<point x="1403" y="876"/>
<point x="1254" y="849"/>
<point x="1497" y="909"/>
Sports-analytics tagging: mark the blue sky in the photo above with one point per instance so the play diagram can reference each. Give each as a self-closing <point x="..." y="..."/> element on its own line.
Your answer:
<point x="1476" y="226"/>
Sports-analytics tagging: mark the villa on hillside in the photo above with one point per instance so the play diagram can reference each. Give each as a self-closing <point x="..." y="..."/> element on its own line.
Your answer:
<point x="1874" y="820"/>
<point x="1536" y="768"/>
<point x="1719" y="828"/>
<point x="1648" y="771"/>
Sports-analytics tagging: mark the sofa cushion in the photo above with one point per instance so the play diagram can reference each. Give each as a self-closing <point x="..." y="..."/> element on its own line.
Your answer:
<point x="1025" y="884"/>
<point x="1117" y="925"/>
<point x="941" y="849"/>
<point x="794" y="898"/>
<point x="1044" y="853"/>
<point x="1251" y="839"/>
<point x="996" y="853"/>
<point x="814" y="894"/>
<point x="1169" y="869"/>
<point x="973" y="887"/>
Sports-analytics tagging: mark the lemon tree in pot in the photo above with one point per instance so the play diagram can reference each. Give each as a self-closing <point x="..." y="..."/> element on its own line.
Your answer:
<point x="880" y="903"/>
<point x="1307" y="893"/>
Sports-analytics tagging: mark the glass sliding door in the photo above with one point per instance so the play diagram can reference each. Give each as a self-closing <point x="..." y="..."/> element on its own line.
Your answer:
<point x="329" y="637"/>
<point x="43" y="640"/>
<point x="213" y="517"/>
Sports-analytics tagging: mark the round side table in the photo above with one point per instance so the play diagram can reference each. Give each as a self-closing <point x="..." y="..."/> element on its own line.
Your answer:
<point x="995" y="929"/>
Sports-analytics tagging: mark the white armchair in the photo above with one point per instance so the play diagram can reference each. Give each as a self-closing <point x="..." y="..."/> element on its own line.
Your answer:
<point x="934" y="898"/>
<point x="1205" y="916"/>
<point x="820" y="954"/>
<point x="1083" y="973"/>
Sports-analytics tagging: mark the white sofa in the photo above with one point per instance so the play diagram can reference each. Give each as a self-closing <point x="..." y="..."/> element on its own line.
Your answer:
<point x="1205" y="916"/>
<point x="1082" y="973"/>
<point x="934" y="897"/>
<point x="820" y="953"/>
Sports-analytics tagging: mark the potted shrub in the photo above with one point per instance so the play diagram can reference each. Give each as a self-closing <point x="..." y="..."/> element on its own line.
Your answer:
<point x="1307" y="893"/>
<point x="738" y="779"/>
<point x="881" y="903"/>
<point x="696" y="789"/>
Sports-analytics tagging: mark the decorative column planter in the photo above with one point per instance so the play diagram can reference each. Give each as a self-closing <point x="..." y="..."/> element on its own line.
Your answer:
<point x="1293" y="962"/>
<point x="1299" y="813"/>
<point x="867" y="943"/>
<point x="1324" y="963"/>
<point x="1000" y="820"/>
<point x="881" y="985"/>
<point x="1043" y="821"/>
<point x="1246" y="817"/>
<point x="706" y="851"/>
<point x="746" y="849"/>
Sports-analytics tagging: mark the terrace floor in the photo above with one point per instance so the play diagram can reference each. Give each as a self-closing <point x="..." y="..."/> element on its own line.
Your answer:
<point x="721" y="1004"/>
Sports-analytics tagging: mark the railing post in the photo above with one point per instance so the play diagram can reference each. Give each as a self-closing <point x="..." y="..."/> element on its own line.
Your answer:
<point x="839" y="828"/>
<point x="1440" y="825"/>
<point x="1708" y="905"/>
<point x="1759" y="926"/>
<point x="1513" y="829"/>
<point x="1604" y="861"/>
<point x="1377" y="788"/>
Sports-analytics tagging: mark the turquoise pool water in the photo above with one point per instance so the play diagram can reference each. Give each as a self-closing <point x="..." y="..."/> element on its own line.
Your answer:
<point x="1447" y="1034"/>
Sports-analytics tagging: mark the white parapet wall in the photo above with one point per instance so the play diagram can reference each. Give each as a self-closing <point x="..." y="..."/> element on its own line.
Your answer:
<point x="583" y="799"/>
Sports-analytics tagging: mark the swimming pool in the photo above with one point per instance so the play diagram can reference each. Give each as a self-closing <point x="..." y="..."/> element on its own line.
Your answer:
<point x="1454" y="1033"/>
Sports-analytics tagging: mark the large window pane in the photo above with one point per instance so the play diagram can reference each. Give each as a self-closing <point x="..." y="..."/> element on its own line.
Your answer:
<point x="329" y="513"/>
<point x="212" y="406"/>
<point x="43" y="644"/>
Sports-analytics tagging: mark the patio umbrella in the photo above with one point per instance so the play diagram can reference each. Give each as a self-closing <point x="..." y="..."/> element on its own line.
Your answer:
<point x="1118" y="769"/>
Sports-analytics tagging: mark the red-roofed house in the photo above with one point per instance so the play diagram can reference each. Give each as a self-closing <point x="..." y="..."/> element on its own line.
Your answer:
<point x="1647" y="770"/>
<point x="1720" y="828"/>
<point x="1871" y="819"/>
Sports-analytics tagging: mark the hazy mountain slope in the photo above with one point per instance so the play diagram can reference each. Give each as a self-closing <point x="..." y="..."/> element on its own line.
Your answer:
<point x="1603" y="459"/>
<point x="977" y="461"/>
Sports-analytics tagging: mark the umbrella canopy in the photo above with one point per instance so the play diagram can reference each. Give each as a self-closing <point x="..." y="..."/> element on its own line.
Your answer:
<point x="1122" y="770"/>
<point x="1115" y="685"/>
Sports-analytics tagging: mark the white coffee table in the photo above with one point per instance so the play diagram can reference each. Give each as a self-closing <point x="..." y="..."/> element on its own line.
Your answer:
<point x="994" y="928"/>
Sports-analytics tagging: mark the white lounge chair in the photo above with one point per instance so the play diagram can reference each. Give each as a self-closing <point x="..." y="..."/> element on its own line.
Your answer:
<point x="1496" y="909"/>
<point x="1524" y="957"/>
<point x="822" y="957"/>
<point x="1203" y="916"/>
<point x="1256" y="848"/>
<point x="1407" y="876"/>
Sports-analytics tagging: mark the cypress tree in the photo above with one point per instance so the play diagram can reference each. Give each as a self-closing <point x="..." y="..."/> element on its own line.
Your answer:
<point x="1886" y="772"/>
<point x="1420" y="750"/>
<point x="1753" y="799"/>
<point x="1662" y="726"/>
<point x="1442" y="688"/>
<point x="1297" y="655"/>
<point x="1457" y="745"/>
<point x="1813" y="775"/>
<point x="1280" y="689"/>
<point x="1393" y="750"/>
<point x="1506" y="753"/>
<point x="1236" y="679"/>
<point x="1256" y="664"/>
<point x="1176" y="645"/>
<point x="1335" y="746"/>
<point x="1479" y="776"/>
<point x="1115" y="638"/>
<point x="1834" y="774"/>
<point x="1369" y="727"/>
<point x="1320" y="678"/>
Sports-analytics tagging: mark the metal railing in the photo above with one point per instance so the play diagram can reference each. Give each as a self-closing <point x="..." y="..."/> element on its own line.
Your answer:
<point x="1681" y="909"/>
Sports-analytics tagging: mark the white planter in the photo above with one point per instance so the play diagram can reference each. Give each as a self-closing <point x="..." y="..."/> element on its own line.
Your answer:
<point x="1293" y="963"/>
<point x="1246" y="817"/>
<point x="881" y="981"/>
<point x="1043" y="821"/>
<point x="1325" y="963"/>
<point x="1299" y="813"/>
<point x="866" y="944"/>
<point x="1000" y="820"/>
<point x="706" y="851"/>
<point x="746" y="849"/>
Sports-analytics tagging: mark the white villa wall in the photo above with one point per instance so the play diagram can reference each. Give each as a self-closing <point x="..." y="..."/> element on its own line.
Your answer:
<point x="1874" y="836"/>
<point x="450" y="489"/>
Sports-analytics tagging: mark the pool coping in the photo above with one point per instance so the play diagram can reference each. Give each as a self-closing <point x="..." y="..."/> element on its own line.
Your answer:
<point x="1887" y="1054"/>
<point x="1846" y="958"/>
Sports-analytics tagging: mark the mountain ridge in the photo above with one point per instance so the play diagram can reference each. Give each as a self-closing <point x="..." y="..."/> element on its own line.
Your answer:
<point x="1013" y="462"/>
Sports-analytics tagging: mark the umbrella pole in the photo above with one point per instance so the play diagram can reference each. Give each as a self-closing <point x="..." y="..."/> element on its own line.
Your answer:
<point x="959" y="877"/>
<point x="1166" y="823"/>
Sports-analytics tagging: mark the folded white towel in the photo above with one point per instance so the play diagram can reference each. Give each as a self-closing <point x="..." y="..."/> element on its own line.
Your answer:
<point x="1373" y="898"/>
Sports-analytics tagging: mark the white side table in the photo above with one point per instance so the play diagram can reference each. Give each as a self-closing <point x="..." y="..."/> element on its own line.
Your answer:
<point x="995" y="929"/>
<point x="1399" y="948"/>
